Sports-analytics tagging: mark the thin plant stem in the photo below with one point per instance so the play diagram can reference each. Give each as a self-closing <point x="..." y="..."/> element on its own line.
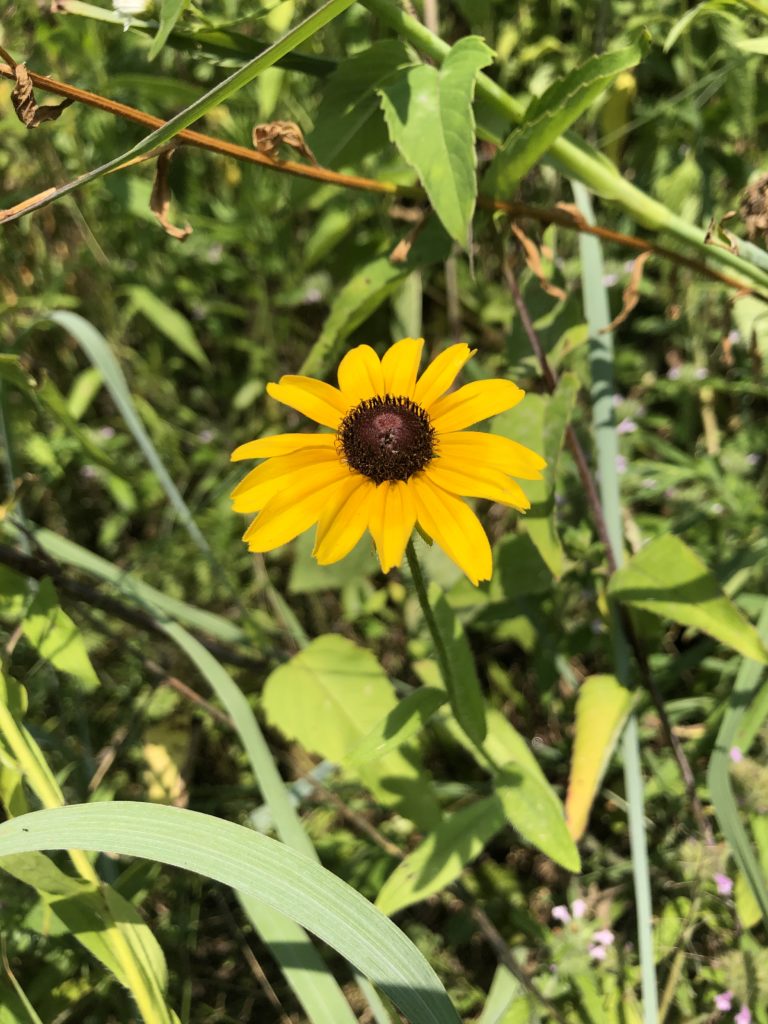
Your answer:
<point x="438" y="643"/>
<point x="601" y="366"/>
<point x="596" y="507"/>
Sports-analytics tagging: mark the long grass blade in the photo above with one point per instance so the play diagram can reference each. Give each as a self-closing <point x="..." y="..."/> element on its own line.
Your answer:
<point x="606" y="440"/>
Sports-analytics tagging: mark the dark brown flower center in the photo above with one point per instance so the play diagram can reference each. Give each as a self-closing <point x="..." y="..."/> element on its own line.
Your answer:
<point x="388" y="438"/>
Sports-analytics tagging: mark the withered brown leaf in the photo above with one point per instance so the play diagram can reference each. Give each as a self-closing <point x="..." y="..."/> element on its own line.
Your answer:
<point x="533" y="260"/>
<point x="631" y="294"/>
<point x="160" y="199"/>
<point x="268" y="137"/>
<point x="23" y="98"/>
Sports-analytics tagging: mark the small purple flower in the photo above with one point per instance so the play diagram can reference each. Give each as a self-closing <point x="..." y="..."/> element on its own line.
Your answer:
<point x="621" y="464"/>
<point x="626" y="426"/>
<point x="743" y="1016"/>
<point x="579" y="908"/>
<point x="561" y="914"/>
<point x="107" y="433"/>
<point x="701" y="373"/>
<point x="673" y="373"/>
<point x="734" y="337"/>
<point x="735" y="754"/>
<point x="598" y="952"/>
<point x="609" y="280"/>
<point x="724" y="884"/>
<point x="604" y="937"/>
<point x="724" y="1001"/>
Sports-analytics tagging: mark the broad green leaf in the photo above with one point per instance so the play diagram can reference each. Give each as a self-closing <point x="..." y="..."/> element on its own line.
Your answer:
<point x="462" y="683"/>
<point x="552" y="114"/>
<point x="602" y="707"/>
<point x="365" y="291"/>
<point x="349" y="122"/>
<point x="534" y="810"/>
<point x="261" y="868"/>
<point x="668" y="579"/>
<point x="429" y="116"/>
<point x="443" y="855"/>
<point x="169" y="321"/>
<point x="404" y="721"/>
<point x="56" y="637"/>
<point x="505" y="989"/>
<point x="329" y="696"/>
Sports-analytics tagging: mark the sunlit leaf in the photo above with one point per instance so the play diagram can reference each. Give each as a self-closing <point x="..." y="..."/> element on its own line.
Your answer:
<point x="601" y="711"/>
<point x="56" y="637"/>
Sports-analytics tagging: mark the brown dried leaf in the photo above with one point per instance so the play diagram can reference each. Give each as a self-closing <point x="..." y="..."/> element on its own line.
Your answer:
<point x="631" y="295"/>
<point x="533" y="260"/>
<point x="754" y="208"/>
<point x="402" y="250"/>
<point x="268" y="137"/>
<point x="160" y="199"/>
<point x="23" y="99"/>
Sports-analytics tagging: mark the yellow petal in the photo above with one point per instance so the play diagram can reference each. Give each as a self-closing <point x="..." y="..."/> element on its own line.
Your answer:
<point x="295" y="508"/>
<point x="477" y="448"/>
<point x="477" y="482"/>
<point x="314" y="398"/>
<point x="454" y="526"/>
<point x="360" y="375"/>
<point x="393" y="517"/>
<point x="440" y="374"/>
<point x="344" y="519"/>
<point x="474" y="402"/>
<point x="400" y="366"/>
<point x="281" y="444"/>
<point x="255" y="490"/>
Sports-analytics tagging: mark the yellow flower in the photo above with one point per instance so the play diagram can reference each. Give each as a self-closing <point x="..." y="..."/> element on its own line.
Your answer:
<point x="398" y="455"/>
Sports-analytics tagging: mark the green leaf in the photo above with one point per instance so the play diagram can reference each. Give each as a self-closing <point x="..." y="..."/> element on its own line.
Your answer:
<point x="443" y="855"/>
<point x="602" y="707"/>
<point x="259" y="867"/>
<point x="540" y="422"/>
<point x="329" y="697"/>
<point x="165" y="318"/>
<point x="365" y="291"/>
<point x="170" y="12"/>
<point x="429" y="115"/>
<point x="668" y="579"/>
<point x="56" y="637"/>
<point x="12" y="372"/>
<point x="462" y="683"/>
<point x="349" y="122"/>
<point x="404" y="721"/>
<point x="552" y="114"/>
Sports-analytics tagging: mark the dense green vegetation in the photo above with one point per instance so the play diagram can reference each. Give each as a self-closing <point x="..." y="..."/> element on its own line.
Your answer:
<point x="555" y="782"/>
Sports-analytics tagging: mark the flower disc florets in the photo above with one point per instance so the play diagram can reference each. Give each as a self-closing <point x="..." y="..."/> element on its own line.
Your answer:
<point x="388" y="438"/>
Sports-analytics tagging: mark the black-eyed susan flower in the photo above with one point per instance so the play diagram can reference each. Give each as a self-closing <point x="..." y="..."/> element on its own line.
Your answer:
<point x="398" y="455"/>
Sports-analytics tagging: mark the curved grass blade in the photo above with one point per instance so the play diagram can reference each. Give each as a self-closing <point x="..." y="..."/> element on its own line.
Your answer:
<point x="95" y="346"/>
<point x="259" y="867"/>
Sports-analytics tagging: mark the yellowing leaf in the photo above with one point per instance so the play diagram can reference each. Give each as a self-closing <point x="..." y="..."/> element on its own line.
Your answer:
<point x="56" y="637"/>
<point x="601" y="711"/>
<point x="166" y="750"/>
<point x="668" y="579"/>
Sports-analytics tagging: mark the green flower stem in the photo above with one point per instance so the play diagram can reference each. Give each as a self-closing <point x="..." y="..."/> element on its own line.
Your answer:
<point x="438" y="642"/>
<point x="578" y="159"/>
<point x="601" y="357"/>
